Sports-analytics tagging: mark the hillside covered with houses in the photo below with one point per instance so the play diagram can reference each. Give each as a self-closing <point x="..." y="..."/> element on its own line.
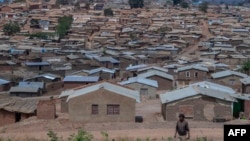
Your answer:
<point x="77" y="61"/>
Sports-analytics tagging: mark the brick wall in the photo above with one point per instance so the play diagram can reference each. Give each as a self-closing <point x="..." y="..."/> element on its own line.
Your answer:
<point x="245" y="89"/>
<point x="226" y="81"/>
<point x="73" y="85"/>
<point x="6" y="117"/>
<point x="54" y="86"/>
<point x="163" y="83"/>
<point x="247" y="108"/>
<point x="204" y="109"/>
<point x="202" y="75"/>
<point x="46" y="109"/>
<point x="64" y="105"/>
<point x="80" y="107"/>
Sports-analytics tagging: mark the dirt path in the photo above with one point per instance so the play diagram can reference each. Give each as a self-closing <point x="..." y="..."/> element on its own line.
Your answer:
<point x="206" y="35"/>
<point x="211" y="133"/>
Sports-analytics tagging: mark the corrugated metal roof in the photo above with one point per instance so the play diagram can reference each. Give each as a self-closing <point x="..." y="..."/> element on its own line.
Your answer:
<point x="37" y="63"/>
<point x="105" y="85"/>
<point x="136" y="67"/>
<point x="192" y="91"/>
<point x="178" y="95"/>
<point x="153" y="68"/>
<point x="141" y="80"/>
<point x="227" y="73"/>
<point x="196" y="67"/>
<point x="245" y="80"/>
<point x="32" y="84"/>
<point x="2" y="82"/>
<point x="157" y="73"/>
<point x="101" y="69"/>
<point x="46" y="75"/>
<point x="106" y="59"/>
<point x="24" y="89"/>
<point x="210" y="85"/>
<point x="18" y="105"/>
<point x="77" y="78"/>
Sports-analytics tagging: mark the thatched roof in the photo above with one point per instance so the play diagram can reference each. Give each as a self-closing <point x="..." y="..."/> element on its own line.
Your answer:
<point x="13" y="104"/>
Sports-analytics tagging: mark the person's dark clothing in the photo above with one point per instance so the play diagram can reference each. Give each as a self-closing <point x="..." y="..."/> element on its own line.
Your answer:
<point x="182" y="128"/>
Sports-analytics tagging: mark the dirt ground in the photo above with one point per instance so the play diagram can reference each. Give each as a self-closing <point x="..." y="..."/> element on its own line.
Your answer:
<point x="153" y="127"/>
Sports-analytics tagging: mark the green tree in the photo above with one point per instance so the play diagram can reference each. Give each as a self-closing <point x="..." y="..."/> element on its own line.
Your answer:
<point x="226" y="7"/>
<point x="184" y="4"/>
<point x="246" y="67"/>
<point x="136" y="3"/>
<point x="176" y="2"/>
<point x="87" y="6"/>
<point x="52" y="136"/>
<point x="62" y="2"/>
<point x="64" y="24"/>
<point x="203" y="7"/>
<point x="169" y="2"/>
<point x="11" y="28"/>
<point x="108" y="12"/>
<point x="81" y="136"/>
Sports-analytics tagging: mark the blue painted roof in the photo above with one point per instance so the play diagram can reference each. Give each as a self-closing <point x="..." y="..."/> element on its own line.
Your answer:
<point x="140" y="80"/>
<point x="77" y="78"/>
<point x="37" y="63"/>
<point x="31" y="84"/>
<point x="2" y="82"/>
<point x="106" y="59"/>
<point x="227" y="73"/>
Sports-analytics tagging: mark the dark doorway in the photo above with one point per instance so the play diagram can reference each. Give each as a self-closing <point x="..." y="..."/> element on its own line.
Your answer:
<point x="237" y="108"/>
<point x="18" y="117"/>
<point x="40" y="68"/>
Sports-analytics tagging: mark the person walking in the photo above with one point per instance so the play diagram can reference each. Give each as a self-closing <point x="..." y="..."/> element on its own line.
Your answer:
<point x="182" y="129"/>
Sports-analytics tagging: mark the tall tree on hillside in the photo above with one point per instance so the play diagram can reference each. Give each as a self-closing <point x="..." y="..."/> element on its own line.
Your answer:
<point x="176" y="2"/>
<point x="246" y="67"/>
<point x="136" y="3"/>
<point x="226" y="7"/>
<point x="11" y="28"/>
<point x="184" y="4"/>
<point x="108" y="12"/>
<point x="203" y="6"/>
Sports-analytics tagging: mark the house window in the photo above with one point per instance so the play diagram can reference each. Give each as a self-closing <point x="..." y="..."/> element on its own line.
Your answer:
<point x="113" y="109"/>
<point x="195" y="74"/>
<point x="94" y="109"/>
<point x="144" y="91"/>
<point x="231" y="81"/>
<point x="187" y="74"/>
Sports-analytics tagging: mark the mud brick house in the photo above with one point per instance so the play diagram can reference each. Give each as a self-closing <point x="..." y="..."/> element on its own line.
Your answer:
<point x="165" y="81"/>
<point x="243" y="100"/>
<point x="229" y="78"/>
<point x="190" y="74"/>
<point x="28" y="89"/>
<point x="46" y="109"/>
<point x="47" y="78"/>
<point x="146" y="87"/>
<point x="13" y="110"/>
<point x="38" y="66"/>
<point x="5" y="85"/>
<point x="7" y="66"/>
<point x="197" y="103"/>
<point x="101" y="102"/>
<point x="52" y="81"/>
<point x="98" y="6"/>
<point x="151" y="68"/>
<point x="108" y="62"/>
<point x="245" y="85"/>
<point x="131" y="71"/>
<point x="73" y="81"/>
<point x="102" y="72"/>
<point x="171" y="69"/>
